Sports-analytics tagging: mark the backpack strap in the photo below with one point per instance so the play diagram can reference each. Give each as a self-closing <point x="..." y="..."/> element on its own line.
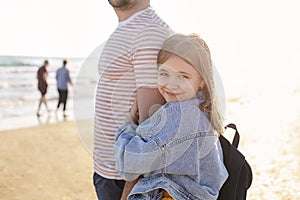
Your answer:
<point x="236" y="138"/>
<point x="234" y="162"/>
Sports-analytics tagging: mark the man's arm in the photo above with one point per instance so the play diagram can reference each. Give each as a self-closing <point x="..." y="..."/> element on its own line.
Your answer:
<point x="147" y="98"/>
<point x="146" y="45"/>
<point x="147" y="101"/>
<point x="69" y="78"/>
<point x="45" y="77"/>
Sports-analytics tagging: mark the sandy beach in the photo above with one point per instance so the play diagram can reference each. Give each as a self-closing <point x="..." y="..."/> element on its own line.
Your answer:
<point x="53" y="162"/>
<point x="270" y="141"/>
<point x="45" y="162"/>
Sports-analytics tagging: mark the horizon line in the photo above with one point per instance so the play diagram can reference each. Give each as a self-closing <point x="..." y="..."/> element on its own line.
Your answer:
<point x="45" y="57"/>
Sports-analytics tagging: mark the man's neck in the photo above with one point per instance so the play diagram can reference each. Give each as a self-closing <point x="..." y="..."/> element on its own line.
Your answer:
<point x="125" y="14"/>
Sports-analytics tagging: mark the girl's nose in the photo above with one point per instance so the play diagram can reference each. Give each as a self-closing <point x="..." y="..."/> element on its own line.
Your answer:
<point x="172" y="84"/>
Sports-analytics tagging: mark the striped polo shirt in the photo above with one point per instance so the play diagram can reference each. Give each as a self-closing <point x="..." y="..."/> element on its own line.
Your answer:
<point x="128" y="61"/>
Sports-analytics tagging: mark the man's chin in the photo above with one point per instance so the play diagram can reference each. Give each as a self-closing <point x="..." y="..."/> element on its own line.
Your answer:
<point x="122" y="5"/>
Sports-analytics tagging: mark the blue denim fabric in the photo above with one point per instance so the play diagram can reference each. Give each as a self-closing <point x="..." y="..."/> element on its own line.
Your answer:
<point x="175" y="150"/>
<point x="108" y="189"/>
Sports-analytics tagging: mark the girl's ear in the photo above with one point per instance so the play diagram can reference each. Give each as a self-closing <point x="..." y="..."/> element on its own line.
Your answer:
<point x="202" y="83"/>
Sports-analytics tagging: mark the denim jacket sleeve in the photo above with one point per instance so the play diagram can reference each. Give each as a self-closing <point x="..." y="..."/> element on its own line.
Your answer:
<point x="158" y="141"/>
<point x="134" y="155"/>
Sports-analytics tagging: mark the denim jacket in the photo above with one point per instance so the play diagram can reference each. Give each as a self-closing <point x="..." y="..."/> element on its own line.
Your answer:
<point x="175" y="150"/>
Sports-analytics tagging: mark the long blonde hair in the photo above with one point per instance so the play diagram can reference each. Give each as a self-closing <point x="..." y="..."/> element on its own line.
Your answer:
<point x="195" y="51"/>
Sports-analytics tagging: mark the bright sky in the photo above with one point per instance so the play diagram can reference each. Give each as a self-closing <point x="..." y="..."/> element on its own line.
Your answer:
<point x="245" y="37"/>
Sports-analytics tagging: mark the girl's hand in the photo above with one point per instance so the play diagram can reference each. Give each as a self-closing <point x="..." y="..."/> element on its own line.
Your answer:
<point x="134" y="113"/>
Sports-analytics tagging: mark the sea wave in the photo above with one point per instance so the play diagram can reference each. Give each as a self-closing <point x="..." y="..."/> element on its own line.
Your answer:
<point x="6" y="61"/>
<point x="13" y="61"/>
<point x="6" y="85"/>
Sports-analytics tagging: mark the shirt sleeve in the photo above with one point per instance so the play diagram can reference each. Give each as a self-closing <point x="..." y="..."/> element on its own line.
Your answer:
<point x="144" y="57"/>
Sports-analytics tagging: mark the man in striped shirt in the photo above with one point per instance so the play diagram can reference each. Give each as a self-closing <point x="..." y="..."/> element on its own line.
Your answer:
<point x="128" y="72"/>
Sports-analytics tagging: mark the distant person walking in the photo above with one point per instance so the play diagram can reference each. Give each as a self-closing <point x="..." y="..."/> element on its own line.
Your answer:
<point x="42" y="75"/>
<point x="63" y="78"/>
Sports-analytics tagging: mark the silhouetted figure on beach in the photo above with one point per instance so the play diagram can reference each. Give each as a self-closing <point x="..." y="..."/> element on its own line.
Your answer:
<point x="42" y="75"/>
<point x="63" y="78"/>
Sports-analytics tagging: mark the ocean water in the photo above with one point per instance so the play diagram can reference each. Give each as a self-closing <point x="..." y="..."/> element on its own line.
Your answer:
<point x="18" y="85"/>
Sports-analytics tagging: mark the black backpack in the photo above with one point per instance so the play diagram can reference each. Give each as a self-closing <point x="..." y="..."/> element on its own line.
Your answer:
<point x="240" y="173"/>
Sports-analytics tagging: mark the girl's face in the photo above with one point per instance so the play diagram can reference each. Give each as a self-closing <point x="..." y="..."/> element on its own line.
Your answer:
<point x="178" y="80"/>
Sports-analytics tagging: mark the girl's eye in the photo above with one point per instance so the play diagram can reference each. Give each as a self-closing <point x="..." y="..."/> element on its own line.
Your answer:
<point x="163" y="74"/>
<point x="183" y="76"/>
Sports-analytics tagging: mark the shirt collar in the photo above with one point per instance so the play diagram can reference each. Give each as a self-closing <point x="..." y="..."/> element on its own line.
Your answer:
<point x="126" y="21"/>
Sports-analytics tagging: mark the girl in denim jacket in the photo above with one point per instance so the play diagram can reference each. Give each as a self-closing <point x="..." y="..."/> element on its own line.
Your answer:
<point x="176" y="153"/>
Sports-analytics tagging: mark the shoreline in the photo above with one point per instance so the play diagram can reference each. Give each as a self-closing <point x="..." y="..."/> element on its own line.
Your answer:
<point x="32" y="121"/>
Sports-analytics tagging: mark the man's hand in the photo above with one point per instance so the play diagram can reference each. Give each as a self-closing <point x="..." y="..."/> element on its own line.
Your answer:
<point x="127" y="189"/>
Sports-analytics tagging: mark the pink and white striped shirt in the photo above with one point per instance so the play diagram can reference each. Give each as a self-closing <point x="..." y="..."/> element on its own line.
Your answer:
<point x="128" y="61"/>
